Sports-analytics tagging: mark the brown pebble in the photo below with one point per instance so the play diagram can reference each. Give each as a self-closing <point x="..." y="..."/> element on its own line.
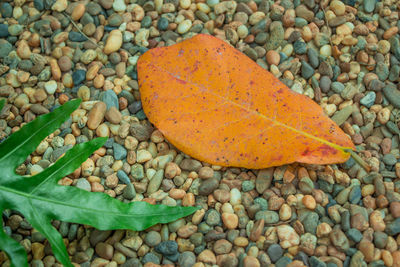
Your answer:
<point x="395" y="209"/>
<point x="64" y="63"/>
<point x="272" y="57"/>
<point x="230" y="220"/>
<point x="78" y="12"/>
<point x="367" y="249"/>
<point x="250" y="261"/>
<point x="207" y="256"/>
<point x="96" y="115"/>
<point x="113" y="115"/>
<point x="206" y="173"/>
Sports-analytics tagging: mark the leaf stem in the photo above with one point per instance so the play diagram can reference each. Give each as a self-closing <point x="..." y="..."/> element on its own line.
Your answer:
<point x="76" y="26"/>
<point x="359" y="160"/>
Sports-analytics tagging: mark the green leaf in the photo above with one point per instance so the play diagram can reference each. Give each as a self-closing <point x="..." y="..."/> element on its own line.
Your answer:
<point x="40" y="199"/>
<point x="2" y="102"/>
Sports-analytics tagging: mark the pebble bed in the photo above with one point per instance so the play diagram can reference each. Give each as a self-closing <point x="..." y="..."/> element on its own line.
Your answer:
<point x="343" y="54"/>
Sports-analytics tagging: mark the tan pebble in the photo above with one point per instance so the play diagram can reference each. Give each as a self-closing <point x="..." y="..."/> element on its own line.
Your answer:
<point x="230" y="221"/>
<point x="171" y="170"/>
<point x="387" y="257"/>
<point x="69" y="139"/>
<point x="285" y="212"/>
<point x="55" y="69"/>
<point x="296" y="263"/>
<point x="338" y="7"/>
<point x="287" y="236"/>
<point x="376" y="221"/>
<point x="395" y="209"/>
<point x="34" y="40"/>
<point x="176" y="193"/>
<point x="367" y="190"/>
<point x="187" y="230"/>
<point x="103" y="130"/>
<point x="60" y="5"/>
<point x="343" y="30"/>
<point x="37" y="251"/>
<point x="390" y="32"/>
<point x="396" y="258"/>
<point x="98" y="81"/>
<point x="198" y="216"/>
<point x="272" y="57"/>
<point x="96" y="115"/>
<point x="131" y="143"/>
<point x="188" y="200"/>
<point x="87" y="167"/>
<point x="367" y="249"/>
<point x="23" y="50"/>
<point x="383" y="115"/>
<point x="67" y="80"/>
<point x="206" y="172"/>
<point x="207" y="256"/>
<point x="257" y="230"/>
<point x="143" y="155"/>
<point x="323" y="230"/>
<point x="157" y="137"/>
<point x="92" y="72"/>
<point x="40" y="95"/>
<point x="120" y="69"/>
<point x="84" y="93"/>
<point x="78" y="12"/>
<point x="309" y="202"/>
<point x="250" y="261"/>
<point x="113" y="115"/>
<point x="114" y="42"/>
<point x="241" y="241"/>
<point x="111" y="180"/>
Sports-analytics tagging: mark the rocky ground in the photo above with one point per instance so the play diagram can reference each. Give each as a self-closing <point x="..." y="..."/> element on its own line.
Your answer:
<point x="343" y="54"/>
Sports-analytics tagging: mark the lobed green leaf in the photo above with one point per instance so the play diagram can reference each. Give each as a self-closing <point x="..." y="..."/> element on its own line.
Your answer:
<point x="40" y="199"/>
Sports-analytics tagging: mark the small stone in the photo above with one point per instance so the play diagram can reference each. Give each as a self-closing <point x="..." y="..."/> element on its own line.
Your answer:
<point x="306" y="70"/>
<point x="83" y="184"/>
<point x="50" y="87"/>
<point x="275" y="252"/>
<point x="96" y="115"/>
<point x="369" y="5"/>
<point x="169" y="247"/>
<point x="208" y="186"/>
<point x="155" y="182"/>
<point x="119" y="5"/>
<point x="184" y="26"/>
<point x="393" y="95"/>
<point x="152" y="238"/>
<point x="187" y="259"/>
<point x="114" y="42"/>
<point x="230" y="221"/>
<point x="105" y="250"/>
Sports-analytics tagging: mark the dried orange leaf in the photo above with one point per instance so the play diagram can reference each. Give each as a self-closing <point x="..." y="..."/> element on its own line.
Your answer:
<point x="215" y="104"/>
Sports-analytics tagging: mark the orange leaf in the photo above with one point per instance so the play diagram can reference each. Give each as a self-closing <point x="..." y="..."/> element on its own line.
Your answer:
<point x="217" y="105"/>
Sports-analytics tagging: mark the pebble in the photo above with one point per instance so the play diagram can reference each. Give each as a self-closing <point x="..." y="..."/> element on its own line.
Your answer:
<point x="114" y="42"/>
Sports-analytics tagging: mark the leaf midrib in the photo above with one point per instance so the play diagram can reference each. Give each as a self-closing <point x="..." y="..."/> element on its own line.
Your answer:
<point x="56" y="202"/>
<point x="276" y="122"/>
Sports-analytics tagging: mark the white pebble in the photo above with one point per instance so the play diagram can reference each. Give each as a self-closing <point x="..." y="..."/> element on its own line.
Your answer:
<point x="236" y="197"/>
<point x="184" y="26"/>
<point x="119" y="5"/>
<point x="143" y="156"/>
<point x="50" y="87"/>
<point x="326" y="50"/>
<point x="185" y="4"/>
<point x="35" y="169"/>
<point x="242" y="31"/>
